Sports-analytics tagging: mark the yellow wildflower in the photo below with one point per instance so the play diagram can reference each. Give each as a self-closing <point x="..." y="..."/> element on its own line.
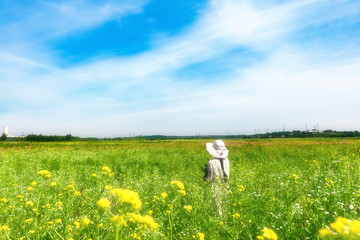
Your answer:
<point x="45" y="173"/>
<point x="127" y="196"/>
<point x="200" y="236"/>
<point x="100" y="225"/>
<point x="31" y="231"/>
<point x="107" y="187"/>
<point x="241" y="188"/>
<point x="85" y="221"/>
<point x="104" y="203"/>
<point x="58" y="220"/>
<point x="77" y="224"/>
<point x="182" y="192"/>
<point x="4" y="228"/>
<point x="145" y="221"/>
<point x="29" y="220"/>
<point x="33" y="184"/>
<point x="30" y="189"/>
<point x="180" y="185"/>
<point x="325" y="232"/>
<point x="93" y="175"/>
<point x="106" y="170"/>
<point x="118" y="220"/>
<point x="59" y="205"/>
<point x="341" y="225"/>
<point x="268" y="234"/>
<point x="188" y="208"/>
<point x="53" y="184"/>
<point x="163" y="195"/>
<point x="29" y="203"/>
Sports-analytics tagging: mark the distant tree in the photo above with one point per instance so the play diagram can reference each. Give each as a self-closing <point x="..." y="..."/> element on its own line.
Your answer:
<point x="68" y="137"/>
<point x="3" y="137"/>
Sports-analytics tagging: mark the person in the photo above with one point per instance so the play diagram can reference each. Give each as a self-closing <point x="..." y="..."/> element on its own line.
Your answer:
<point x="217" y="168"/>
<point x="217" y="172"/>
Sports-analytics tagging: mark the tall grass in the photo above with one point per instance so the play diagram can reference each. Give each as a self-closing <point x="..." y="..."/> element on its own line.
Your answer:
<point x="294" y="187"/>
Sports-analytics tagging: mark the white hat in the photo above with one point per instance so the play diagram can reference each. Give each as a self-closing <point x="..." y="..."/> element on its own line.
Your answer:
<point x="217" y="149"/>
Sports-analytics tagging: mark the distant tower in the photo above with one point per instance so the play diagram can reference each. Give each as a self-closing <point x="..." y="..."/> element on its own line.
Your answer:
<point x="6" y="131"/>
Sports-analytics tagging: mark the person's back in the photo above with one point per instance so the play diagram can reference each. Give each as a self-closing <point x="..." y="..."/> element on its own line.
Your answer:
<point x="217" y="171"/>
<point x="219" y="167"/>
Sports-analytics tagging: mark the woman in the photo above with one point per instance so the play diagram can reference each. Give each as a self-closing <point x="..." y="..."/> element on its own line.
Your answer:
<point x="217" y="168"/>
<point x="217" y="171"/>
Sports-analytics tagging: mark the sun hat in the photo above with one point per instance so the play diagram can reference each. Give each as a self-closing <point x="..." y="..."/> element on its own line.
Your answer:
<point x="217" y="149"/>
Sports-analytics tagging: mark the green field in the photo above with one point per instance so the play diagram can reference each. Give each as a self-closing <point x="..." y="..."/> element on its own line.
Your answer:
<point x="293" y="187"/>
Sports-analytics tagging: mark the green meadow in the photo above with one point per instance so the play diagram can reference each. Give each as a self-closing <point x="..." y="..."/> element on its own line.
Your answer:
<point x="298" y="188"/>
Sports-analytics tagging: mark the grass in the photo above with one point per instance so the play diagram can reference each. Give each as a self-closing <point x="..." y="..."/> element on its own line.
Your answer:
<point x="293" y="186"/>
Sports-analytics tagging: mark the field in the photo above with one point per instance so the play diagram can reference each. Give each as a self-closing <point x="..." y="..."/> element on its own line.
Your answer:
<point x="300" y="189"/>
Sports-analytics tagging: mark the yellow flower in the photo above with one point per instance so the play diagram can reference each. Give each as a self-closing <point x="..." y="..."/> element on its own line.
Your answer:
<point x="163" y="195"/>
<point x="118" y="220"/>
<point x="29" y="220"/>
<point x="58" y="220"/>
<point x="188" y="208"/>
<point x="104" y="203"/>
<point x="59" y="205"/>
<point x="182" y="192"/>
<point x="77" y="193"/>
<point x="4" y="228"/>
<point x="30" y="189"/>
<point x="355" y="227"/>
<point x="145" y="221"/>
<point x="180" y="185"/>
<point x="127" y="196"/>
<point x="53" y="184"/>
<point x="325" y="232"/>
<point x="341" y="225"/>
<point x="200" y="236"/>
<point x="77" y="224"/>
<point x="107" y="187"/>
<point x="150" y="212"/>
<point x="33" y="184"/>
<point x="100" y="225"/>
<point x="241" y="188"/>
<point x="106" y="170"/>
<point x="31" y="231"/>
<point x="85" y="221"/>
<point x="45" y="173"/>
<point x="93" y="175"/>
<point x="29" y="203"/>
<point x="4" y="200"/>
<point x="268" y="234"/>
<point x="71" y="187"/>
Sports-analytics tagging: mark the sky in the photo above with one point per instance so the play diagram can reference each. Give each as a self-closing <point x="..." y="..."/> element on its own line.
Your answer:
<point x="144" y="67"/>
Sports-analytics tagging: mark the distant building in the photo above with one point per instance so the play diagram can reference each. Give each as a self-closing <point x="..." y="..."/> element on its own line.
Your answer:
<point x="6" y="131"/>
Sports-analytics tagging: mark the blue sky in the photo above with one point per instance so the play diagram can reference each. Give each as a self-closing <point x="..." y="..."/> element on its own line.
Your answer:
<point x="114" y="68"/>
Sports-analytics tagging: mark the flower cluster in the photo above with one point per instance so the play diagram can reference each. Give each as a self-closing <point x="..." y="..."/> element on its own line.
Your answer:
<point x="44" y="173"/>
<point x="267" y="234"/>
<point x="127" y="196"/>
<point x="342" y="228"/>
<point x="180" y="186"/>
